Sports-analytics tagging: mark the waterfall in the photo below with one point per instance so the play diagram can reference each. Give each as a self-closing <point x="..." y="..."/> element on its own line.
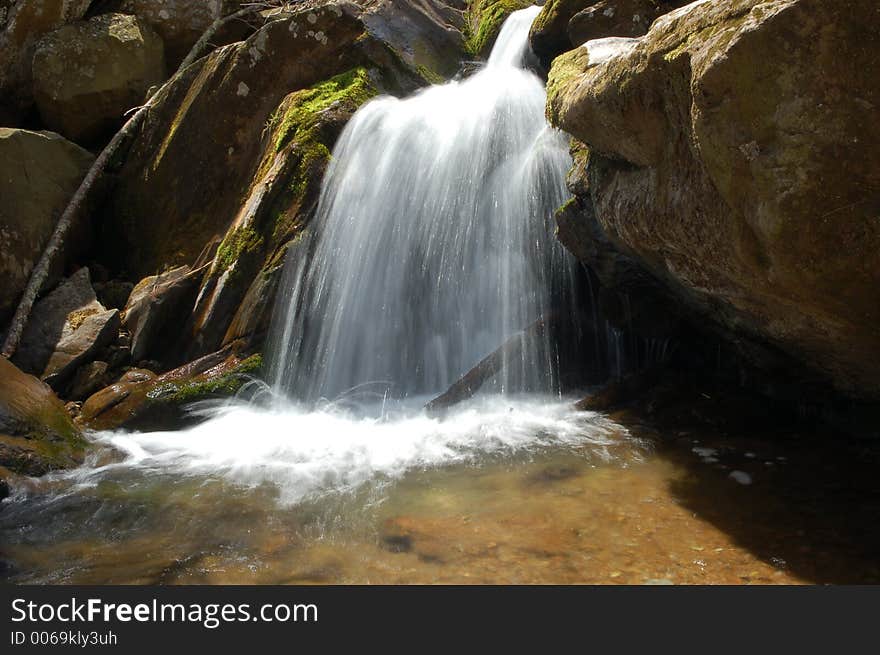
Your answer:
<point x="433" y="240"/>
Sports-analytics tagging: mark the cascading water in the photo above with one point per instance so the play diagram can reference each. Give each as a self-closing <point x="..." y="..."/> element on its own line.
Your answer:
<point x="433" y="240"/>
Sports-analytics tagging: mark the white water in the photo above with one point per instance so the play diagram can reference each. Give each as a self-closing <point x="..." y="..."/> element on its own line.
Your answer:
<point x="434" y="245"/>
<point x="433" y="241"/>
<point x="306" y="453"/>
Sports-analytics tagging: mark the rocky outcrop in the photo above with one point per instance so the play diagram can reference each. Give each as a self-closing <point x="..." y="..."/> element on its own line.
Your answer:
<point x="144" y="401"/>
<point x="566" y="24"/>
<point x="36" y="433"/>
<point x="734" y="158"/>
<point x="39" y="171"/>
<point x="22" y="24"/>
<point x="89" y="73"/>
<point x="66" y="329"/>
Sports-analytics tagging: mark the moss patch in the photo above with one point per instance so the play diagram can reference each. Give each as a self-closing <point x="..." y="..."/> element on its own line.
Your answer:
<point x="302" y="117"/>
<point x="483" y="22"/>
<point x="565" y="68"/>
<point x="227" y="384"/>
<point x="238" y="242"/>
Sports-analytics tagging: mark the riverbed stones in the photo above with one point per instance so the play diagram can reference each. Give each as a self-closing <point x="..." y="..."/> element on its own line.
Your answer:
<point x="88" y="74"/>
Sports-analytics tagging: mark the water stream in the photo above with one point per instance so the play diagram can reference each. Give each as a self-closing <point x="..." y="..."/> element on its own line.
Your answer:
<point x="432" y="245"/>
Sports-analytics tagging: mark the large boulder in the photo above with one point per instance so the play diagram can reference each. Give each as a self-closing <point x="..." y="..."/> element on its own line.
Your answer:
<point x="39" y="172"/>
<point x="735" y="157"/>
<point x="88" y="74"/>
<point x="66" y="329"/>
<point x="36" y="433"/>
<point x="22" y="23"/>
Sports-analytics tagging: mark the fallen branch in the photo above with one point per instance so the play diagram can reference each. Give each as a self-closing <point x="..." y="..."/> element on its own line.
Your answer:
<point x="62" y="227"/>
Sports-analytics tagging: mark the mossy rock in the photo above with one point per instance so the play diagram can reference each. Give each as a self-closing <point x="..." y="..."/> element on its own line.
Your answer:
<point x="483" y="22"/>
<point x="143" y="401"/>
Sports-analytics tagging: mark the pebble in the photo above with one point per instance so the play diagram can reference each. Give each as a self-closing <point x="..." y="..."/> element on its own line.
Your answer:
<point x="742" y="477"/>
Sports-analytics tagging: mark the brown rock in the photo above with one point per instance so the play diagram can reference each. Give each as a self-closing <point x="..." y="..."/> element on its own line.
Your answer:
<point x="36" y="433"/>
<point x="734" y="155"/>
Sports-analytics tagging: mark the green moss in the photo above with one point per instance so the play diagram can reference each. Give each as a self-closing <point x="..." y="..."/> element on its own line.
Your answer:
<point x="564" y="69"/>
<point x="227" y="384"/>
<point x="238" y="242"/>
<point x="483" y="21"/>
<point x="302" y="115"/>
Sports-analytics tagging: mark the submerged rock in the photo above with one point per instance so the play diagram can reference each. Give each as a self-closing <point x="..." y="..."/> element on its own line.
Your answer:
<point x="734" y="158"/>
<point x="36" y="433"/>
<point x="39" y="171"/>
<point x="89" y="73"/>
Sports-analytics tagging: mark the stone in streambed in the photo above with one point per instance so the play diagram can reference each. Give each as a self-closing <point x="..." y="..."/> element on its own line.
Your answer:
<point x="36" y="433"/>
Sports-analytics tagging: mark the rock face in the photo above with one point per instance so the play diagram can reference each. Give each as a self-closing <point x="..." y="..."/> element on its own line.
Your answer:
<point x="89" y="73"/>
<point x="39" y="171"/>
<point x="66" y="329"/>
<point x="22" y="24"/>
<point x="36" y="434"/>
<point x="735" y="157"/>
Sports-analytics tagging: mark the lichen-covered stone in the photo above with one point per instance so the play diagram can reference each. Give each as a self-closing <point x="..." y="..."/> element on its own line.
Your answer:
<point x="39" y="172"/>
<point x="88" y="74"/>
<point x="734" y="154"/>
<point x="296" y="151"/>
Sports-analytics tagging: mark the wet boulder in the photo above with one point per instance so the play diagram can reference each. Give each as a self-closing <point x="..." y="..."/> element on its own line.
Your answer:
<point x="36" y="433"/>
<point x="66" y="329"/>
<point x="39" y="172"/>
<point x="734" y="158"/>
<point x="88" y="74"/>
